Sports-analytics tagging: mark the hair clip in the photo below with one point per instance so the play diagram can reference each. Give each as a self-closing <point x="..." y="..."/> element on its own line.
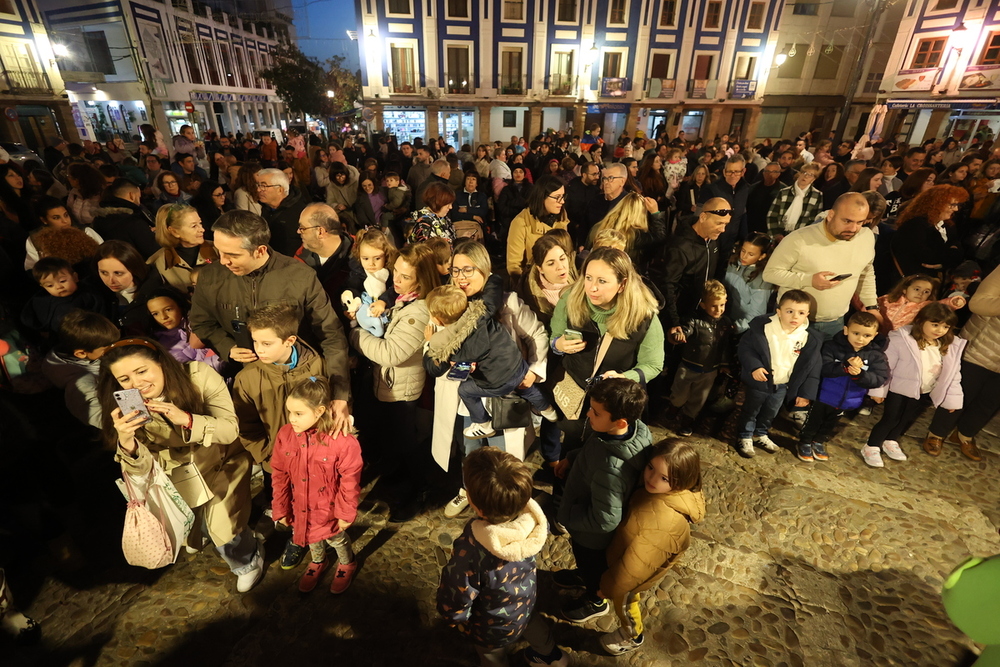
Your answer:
<point x="312" y="378"/>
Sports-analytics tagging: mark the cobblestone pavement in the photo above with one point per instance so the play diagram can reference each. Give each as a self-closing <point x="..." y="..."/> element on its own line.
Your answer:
<point x="795" y="564"/>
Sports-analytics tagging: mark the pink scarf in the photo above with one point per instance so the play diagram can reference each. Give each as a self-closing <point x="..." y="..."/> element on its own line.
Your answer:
<point x="406" y="298"/>
<point x="551" y="291"/>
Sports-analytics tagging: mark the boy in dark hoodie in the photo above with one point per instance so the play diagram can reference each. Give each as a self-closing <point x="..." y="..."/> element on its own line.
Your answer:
<point x="602" y="475"/>
<point x="61" y="292"/>
<point x="469" y="335"/>
<point x="489" y="586"/>
<point x="853" y="363"/>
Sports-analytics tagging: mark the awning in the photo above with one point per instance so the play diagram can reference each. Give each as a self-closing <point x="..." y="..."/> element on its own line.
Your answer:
<point x="803" y="101"/>
<point x="951" y="104"/>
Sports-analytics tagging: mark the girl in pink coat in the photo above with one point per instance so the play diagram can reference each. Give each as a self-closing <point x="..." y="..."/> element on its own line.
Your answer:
<point x="316" y="481"/>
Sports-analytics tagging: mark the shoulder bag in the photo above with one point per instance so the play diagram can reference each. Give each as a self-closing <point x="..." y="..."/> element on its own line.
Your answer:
<point x="510" y="411"/>
<point x="187" y="476"/>
<point x="569" y="396"/>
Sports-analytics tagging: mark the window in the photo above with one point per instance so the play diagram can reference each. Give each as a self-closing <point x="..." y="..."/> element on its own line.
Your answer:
<point x="846" y="8"/>
<point x="404" y="79"/>
<point x="7" y="6"/>
<point x="211" y="63"/>
<point x="616" y="12"/>
<point x="945" y="4"/>
<point x="772" y="122"/>
<point x="792" y="67"/>
<point x="667" y="13"/>
<point x="511" y="72"/>
<point x="100" y="54"/>
<point x="713" y="14"/>
<point x="566" y="11"/>
<point x="509" y="118"/>
<point x="805" y="8"/>
<point x="561" y="80"/>
<point x="457" y="74"/>
<point x="755" y="20"/>
<point x="659" y="67"/>
<point x="612" y="64"/>
<point x="829" y="63"/>
<point x="991" y="54"/>
<point x="746" y="67"/>
<point x="399" y="7"/>
<point x="191" y="56"/>
<point x="928" y="53"/>
<point x="703" y="67"/>
<point x="227" y="62"/>
<point x="513" y="10"/>
<point x="874" y="82"/>
<point x="458" y="9"/>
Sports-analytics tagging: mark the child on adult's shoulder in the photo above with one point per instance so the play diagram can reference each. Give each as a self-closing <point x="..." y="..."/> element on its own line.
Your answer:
<point x="600" y="477"/>
<point x="853" y="363"/>
<point x="780" y="359"/>
<point x="488" y="588"/>
<point x="60" y="293"/>
<point x="910" y="294"/>
<point x="316" y="483"/>
<point x="169" y="311"/>
<point x="964" y="281"/>
<point x="749" y="292"/>
<point x="655" y="533"/>
<point x="708" y="336"/>
<point x="924" y="361"/>
<point x="370" y="288"/>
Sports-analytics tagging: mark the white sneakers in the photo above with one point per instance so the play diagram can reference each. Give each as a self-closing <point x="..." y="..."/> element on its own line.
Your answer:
<point x="745" y="448"/>
<point x="873" y="455"/>
<point x="479" y="431"/>
<point x="252" y="577"/>
<point x="765" y="443"/>
<point x="457" y="504"/>
<point x="892" y="450"/>
<point x="620" y="641"/>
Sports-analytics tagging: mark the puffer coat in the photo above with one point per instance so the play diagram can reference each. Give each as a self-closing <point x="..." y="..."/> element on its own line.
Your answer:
<point x="983" y="328"/>
<point x="398" y="356"/>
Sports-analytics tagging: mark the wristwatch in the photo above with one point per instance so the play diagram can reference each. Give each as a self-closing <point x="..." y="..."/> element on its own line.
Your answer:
<point x="871" y="307"/>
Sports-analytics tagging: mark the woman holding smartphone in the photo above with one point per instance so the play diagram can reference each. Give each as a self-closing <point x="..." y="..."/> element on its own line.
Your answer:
<point x="192" y="420"/>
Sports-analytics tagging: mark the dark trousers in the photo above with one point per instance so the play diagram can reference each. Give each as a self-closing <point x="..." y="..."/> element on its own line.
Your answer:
<point x="820" y="423"/>
<point x="591" y="564"/>
<point x="402" y="460"/>
<point x="898" y="413"/>
<point x="471" y="393"/>
<point x="981" y="388"/>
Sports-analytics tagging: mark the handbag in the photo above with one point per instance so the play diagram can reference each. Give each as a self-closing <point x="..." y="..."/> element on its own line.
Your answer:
<point x="510" y="411"/>
<point x="187" y="477"/>
<point x="145" y="541"/>
<point x="163" y="500"/>
<point x="569" y="396"/>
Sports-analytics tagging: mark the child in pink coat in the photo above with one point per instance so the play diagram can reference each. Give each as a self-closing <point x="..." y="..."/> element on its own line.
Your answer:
<point x="908" y="297"/>
<point x="316" y="482"/>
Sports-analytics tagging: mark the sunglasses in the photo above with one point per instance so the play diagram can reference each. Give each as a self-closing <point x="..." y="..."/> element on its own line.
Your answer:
<point x="722" y="212"/>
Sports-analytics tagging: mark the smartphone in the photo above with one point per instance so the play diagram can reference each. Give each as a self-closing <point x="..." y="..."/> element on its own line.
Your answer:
<point x="130" y="400"/>
<point x="460" y="370"/>
<point x="842" y="276"/>
<point x="242" y="334"/>
<point x="572" y="334"/>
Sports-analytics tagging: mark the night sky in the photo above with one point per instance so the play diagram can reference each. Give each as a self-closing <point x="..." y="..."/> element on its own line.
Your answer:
<point x="321" y="26"/>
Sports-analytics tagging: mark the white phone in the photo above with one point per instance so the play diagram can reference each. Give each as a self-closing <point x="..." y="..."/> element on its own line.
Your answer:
<point x="130" y="400"/>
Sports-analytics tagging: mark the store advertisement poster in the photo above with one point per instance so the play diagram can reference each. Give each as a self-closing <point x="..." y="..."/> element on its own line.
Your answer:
<point x="979" y="77"/>
<point x="915" y="79"/>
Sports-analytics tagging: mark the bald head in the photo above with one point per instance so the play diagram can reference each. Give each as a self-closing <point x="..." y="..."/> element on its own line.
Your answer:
<point x="847" y="216"/>
<point x="715" y="215"/>
<point x="441" y="168"/>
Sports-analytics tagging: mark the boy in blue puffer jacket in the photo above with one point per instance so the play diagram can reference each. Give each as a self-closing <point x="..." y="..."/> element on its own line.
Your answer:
<point x="853" y="363"/>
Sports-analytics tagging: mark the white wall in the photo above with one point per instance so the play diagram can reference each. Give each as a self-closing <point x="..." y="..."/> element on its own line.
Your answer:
<point x="554" y="118"/>
<point x="498" y="131"/>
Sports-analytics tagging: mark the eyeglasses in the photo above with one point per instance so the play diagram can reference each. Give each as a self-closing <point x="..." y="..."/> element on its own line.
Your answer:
<point x="467" y="271"/>
<point x="721" y="212"/>
<point x="558" y="198"/>
<point x="221" y="194"/>
<point x="265" y="186"/>
<point x="608" y="179"/>
<point x="734" y="172"/>
<point x="305" y="229"/>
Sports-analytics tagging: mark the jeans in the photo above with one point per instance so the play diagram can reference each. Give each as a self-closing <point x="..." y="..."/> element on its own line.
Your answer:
<point x="469" y="445"/>
<point x="240" y="553"/>
<point x="828" y="329"/>
<point x="548" y="442"/>
<point x="759" y="410"/>
<point x="470" y="393"/>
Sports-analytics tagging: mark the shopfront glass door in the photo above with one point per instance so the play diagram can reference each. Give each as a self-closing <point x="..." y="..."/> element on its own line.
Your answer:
<point x="457" y="127"/>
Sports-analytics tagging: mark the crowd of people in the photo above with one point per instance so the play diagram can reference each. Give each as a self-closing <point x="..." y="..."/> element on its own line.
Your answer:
<point x="306" y="310"/>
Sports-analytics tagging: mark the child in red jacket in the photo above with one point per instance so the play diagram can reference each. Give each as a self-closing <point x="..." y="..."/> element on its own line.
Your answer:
<point x="323" y="500"/>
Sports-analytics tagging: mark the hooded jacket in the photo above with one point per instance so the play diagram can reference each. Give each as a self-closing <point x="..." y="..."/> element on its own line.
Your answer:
<point x="903" y="356"/>
<point x="316" y="482"/>
<point x="601" y="478"/>
<point x="259" y="394"/>
<point x="754" y="352"/>
<point x="78" y="380"/>
<point x="475" y="337"/>
<point x="691" y="260"/>
<point x="283" y="222"/>
<point x="488" y="588"/>
<point x="655" y="533"/>
<point x="120" y="220"/>
<point x="840" y="389"/>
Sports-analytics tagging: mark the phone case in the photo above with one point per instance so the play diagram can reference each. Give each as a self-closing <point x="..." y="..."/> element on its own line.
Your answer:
<point x="130" y="400"/>
<point x="459" y="372"/>
<point x="241" y="334"/>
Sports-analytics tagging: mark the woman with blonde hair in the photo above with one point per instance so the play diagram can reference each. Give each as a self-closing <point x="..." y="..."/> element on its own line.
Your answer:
<point x="182" y="246"/>
<point x="643" y="227"/>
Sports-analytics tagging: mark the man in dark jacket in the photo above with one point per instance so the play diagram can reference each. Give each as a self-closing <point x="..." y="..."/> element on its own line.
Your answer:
<point x="281" y="209"/>
<point x="250" y="274"/>
<point x="122" y="218"/>
<point x="440" y="173"/>
<point x="326" y="249"/>
<point x="53" y="153"/>
<point x="582" y="193"/>
<point x="735" y="190"/>
<point x="761" y="196"/>
<point x="692" y="259"/>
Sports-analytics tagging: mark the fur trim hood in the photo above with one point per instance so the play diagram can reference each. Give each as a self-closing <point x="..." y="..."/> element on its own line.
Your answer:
<point x="112" y="210"/>
<point x="446" y="342"/>
<point x="515" y="540"/>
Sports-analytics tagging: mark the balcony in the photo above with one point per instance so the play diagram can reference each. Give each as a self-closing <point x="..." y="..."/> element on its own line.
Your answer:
<point x="512" y="84"/>
<point x="661" y="88"/>
<point x="402" y="86"/>
<point x="702" y="89"/>
<point x="615" y="86"/>
<point x="561" y="84"/>
<point x="460" y="83"/>
<point x="27" y="82"/>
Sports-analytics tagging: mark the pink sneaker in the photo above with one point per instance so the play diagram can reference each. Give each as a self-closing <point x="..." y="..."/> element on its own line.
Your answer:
<point x="343" y="577"/>
<point x="893" y="451"/>
<point x="312" y="576"/>
<point x="872" y="456"/>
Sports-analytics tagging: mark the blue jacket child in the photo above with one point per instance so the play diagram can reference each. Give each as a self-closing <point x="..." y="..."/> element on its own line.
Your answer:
<point x="840" y="389"/>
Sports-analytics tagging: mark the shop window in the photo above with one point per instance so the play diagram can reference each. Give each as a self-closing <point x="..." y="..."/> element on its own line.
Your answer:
<point x="928" y="53"/>
<point x="755" y="19"/>
<point x="829" y="63"/>
<point x="566" y="11"/>
<point x="792" y="67"/>
<point x="399" y="7"/>
<point x="991" y="54"/>
<point x="404" y="78"/>
<point x="612" y="64"/>
<point x="805" y="8"/>
<point x="667" y="13"/>
<point x="458" y="9"/>
<point x="616" y="12"/>
<point x="100" y="54"/>
<point x="844" y="8"/>
<point x="713" y="15"/>
<point x="510" y="118"/>
<point x="513" y="10"/>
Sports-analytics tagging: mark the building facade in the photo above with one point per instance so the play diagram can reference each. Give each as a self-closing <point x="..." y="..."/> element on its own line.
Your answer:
<point x="477" y="70"/>
<point x="943" y="78"/>
<point x="180" y="62"/>
<point x="32" y="95"/>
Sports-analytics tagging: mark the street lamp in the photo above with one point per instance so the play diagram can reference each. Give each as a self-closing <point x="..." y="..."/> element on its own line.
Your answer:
<point x="330" y="93"/>
<point x="780" y="59"/>
<point x="60" y="50"/>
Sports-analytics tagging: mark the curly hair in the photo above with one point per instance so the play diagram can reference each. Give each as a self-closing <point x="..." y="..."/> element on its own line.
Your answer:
<point x="69" y="243"/>
<point x="934" y="204"/>
<point x="90" y="181"/>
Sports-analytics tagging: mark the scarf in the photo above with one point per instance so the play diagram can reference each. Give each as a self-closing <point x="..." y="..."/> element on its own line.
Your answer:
<point x="406" y="298"/>
<point x="794" y="211"/>
<point x="550" y="290"/>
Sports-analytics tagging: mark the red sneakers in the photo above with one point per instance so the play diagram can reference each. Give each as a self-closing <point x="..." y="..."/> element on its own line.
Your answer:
<point x="312" y="576"/>
<point x="342" y="579"/>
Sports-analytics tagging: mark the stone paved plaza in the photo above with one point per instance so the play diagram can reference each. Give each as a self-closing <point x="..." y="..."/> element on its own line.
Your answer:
<point x="830" y="564"/>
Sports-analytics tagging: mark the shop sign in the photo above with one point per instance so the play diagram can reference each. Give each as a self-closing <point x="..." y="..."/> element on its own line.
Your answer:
<point x="980" y="77"/>
<point x="699" y="90"/>
<point x="227" y="97"/>
<point x="985" y="103"/>
<point x="915" y="79"/>
<point x="662" y="88"/>
<point x="609" y="107"/>
<point x="744" y="89"/>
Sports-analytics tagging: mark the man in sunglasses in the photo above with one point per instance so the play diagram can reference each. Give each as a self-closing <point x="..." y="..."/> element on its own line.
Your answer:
<point x="692" y="258"/>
